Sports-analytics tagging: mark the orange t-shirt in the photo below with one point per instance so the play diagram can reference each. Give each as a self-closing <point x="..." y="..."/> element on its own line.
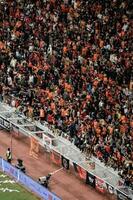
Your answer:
<point x="18" y="24"/>
<point x="122" y="129"/>
<point x="88" y="97"/>
<point x="101" y="43"/>
<point x="68" y="87"/>
<point x="42" y="114"/>
<point x="95" y="83"/>
<point x="95" y="57"/>
<point x="131" y="124"/>
<point x="50" y="95"/>
<point x="61" y="102"/>
<point x="64" y="112"/>
<point x="2" y="45"/>
<point x="123" y="119"/>
<point x="52" y="106"/>
<point x="110" y="130"/>
<point x="64" y="49"/>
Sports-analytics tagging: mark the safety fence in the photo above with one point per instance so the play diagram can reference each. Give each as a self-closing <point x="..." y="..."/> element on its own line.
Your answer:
<point x="64" y="153"/>
<point x="95" y="181"/>
<point x="27" y="181"/>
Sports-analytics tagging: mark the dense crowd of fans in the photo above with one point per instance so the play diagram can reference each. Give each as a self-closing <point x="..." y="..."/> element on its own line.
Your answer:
<point x="70" y="63"/>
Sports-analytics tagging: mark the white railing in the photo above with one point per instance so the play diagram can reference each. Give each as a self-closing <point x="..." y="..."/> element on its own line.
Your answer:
<point x="9" y="119"/>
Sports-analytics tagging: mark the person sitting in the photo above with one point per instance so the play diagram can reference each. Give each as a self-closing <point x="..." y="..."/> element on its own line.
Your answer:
<point x="20" y="165"/>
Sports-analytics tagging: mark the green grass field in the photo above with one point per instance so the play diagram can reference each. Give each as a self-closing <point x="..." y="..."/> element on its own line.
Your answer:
<point x="10" y="190"/>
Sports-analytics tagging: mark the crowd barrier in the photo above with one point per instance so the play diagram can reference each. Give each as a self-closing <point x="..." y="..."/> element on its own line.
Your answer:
<point x="92" y="180"/>
<point x="63" y="153"/>
<point x="27" y="181"/>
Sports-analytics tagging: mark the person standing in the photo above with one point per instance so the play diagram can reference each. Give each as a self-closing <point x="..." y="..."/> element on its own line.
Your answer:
<point x="42" y="115"/>
<point x="9" y="155"/>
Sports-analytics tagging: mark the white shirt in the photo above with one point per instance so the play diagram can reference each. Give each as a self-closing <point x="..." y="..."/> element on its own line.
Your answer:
<point x="31" y="79"/>
<point x="9" y="79"/>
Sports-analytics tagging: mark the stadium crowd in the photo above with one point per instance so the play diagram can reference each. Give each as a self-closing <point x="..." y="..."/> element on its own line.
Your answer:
<point x="70" y="63"/>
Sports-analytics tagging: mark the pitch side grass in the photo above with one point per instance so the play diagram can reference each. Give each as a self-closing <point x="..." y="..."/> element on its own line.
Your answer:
<point x="10" y="190"/>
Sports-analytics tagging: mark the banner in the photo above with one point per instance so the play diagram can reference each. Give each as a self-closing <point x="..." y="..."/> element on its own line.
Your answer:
<point x="65" y="162"/>
<point x="5" y="123"/>
<point x="100" y="185"/>
<point x="13" y="171"/>
<point x="90" y="179"/>
<point x="56" y="158"/>
<point x="36" y="187"/>
<point x="81" y="172"/>
<point x="1" y="121"/>
<point x="34" y="147"/>
<point x="0" y="163"/>
<point x="110" y="188"/>
<point x="122" y="196"/>
<point x="28" y="182"/>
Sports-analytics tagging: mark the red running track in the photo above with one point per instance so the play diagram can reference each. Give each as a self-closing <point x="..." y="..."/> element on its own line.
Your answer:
<point x="65" y="184"/>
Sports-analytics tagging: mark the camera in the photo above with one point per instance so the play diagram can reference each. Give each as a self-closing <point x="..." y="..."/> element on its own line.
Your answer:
<point x="44" y="180"/>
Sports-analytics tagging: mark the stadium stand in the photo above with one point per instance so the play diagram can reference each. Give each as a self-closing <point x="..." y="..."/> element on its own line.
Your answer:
<point x="70" y="63"/>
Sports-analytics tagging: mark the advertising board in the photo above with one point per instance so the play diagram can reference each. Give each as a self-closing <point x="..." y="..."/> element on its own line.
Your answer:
<point x="27" y="181"/>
